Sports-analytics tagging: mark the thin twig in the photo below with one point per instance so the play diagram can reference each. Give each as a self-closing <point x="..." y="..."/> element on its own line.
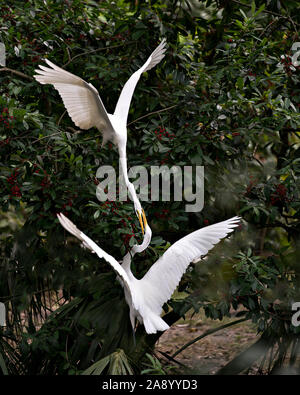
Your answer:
<point x="24" y="135"/>
<point x="61" y="117"/>
<point x="69" y="55"/>
<point x="209" y="332"/>
<point x="76" y="131"/>
<point x="130" y="123"/>
<point x="171" y="358"/>
<point x="44" y="137"/>
<point x="151" y="113"/>
<point x="262" y="238"/>
<point x="290" y="18"/>
<point x="269" y="25"/>
<point x="96" y="50"/>
<point x="269" y="12"/>
<point x="19" y="73"/>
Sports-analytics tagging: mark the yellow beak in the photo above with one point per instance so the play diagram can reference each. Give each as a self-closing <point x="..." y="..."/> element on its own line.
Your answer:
<point x="142" y="219"/>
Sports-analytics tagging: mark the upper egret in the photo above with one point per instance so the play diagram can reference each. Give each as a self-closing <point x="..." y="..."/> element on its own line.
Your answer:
<point x="146" y="296"/>
<point x="86" y="109"/>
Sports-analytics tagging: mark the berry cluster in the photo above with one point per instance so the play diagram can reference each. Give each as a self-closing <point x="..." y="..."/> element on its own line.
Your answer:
<point x="279" y="196"/>
<point x="35" y="59"/>
<point x="45" y="183"/>
<point x="162" y="132"/>
<point x="6" y="119"/>
<point x="250" y="72"/>
<point x="165" y="158"/>
<point x="118" y="37"/>
<point x="69" y="204"/>
<point x="4" y="142"/>
<point x="127" y="236"/>
<point x="286" y="60"/>
<point x="35" y="47"/>
<point x="163" y="214"/>
<point x="64" y="208"/>
<point x="65" y="205"/>
<point x="7" y="14"/>
<point x="15" y="189"/>
<point x="112" y="206"/>
<point x="35" y="169"/>
<point x="250" y="186"/>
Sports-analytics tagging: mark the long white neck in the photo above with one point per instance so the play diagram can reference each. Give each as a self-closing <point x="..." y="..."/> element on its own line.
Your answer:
<point x="126" y="263"/>
<point x="146" y="241"/>
<point x="123" y="163"/>
<point x="129" y="185"/>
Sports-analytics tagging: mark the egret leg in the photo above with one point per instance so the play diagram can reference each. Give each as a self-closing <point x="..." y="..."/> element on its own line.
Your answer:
<point x="133" y="334"/>
<point x="133" y="325"/>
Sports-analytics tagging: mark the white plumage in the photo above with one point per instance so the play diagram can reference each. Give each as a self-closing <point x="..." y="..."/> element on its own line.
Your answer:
<point x="86" y="109"/>
<point x="146" y="296"/>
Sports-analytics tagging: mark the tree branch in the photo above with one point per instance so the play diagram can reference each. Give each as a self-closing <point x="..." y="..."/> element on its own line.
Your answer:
<point x="19" y="73"/>
<point x="209" y="332"/>
<point x="246" y="358"/>
<point x="151" y="113"/>
<point x="96" y="50"/>
<point x="270" y="12"/>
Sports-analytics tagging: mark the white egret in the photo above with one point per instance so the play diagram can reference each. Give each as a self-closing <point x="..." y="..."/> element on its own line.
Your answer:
<point x="86" y="109"/>
<point x="146" y="296"/>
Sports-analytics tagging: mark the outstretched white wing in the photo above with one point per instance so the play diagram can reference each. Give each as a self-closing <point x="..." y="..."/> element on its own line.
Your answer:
<point x="70" y="227"/>
<point x="162" y="278"/>
<point x="81" y="99"/>
<point x="123" y="104"/>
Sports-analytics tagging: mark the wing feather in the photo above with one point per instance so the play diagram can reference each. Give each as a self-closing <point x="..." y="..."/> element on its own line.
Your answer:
<point x="162" y="278"/>
<point x="81" y="99"/>
<point x="72" y="228"/>
<point x="123" y="104"/>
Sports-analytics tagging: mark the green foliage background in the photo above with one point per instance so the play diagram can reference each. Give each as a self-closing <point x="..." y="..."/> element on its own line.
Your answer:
<point x="223" y="97"/>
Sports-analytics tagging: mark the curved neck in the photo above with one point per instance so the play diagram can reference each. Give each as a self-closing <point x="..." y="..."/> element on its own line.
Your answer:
<point x="137" y="248"/>
<point x="126" y="263"/>
<point x="123" y="162"/>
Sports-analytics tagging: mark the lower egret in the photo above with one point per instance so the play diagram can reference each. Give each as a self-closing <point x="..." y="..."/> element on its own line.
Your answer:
<point x="145" y="297"/>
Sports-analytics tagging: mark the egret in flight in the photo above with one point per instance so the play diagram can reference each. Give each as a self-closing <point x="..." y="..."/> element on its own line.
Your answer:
<point x="145" y="297"/>
<point x="86" y="109"/>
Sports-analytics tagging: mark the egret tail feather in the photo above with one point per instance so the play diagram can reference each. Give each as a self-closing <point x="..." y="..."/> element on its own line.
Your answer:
<point x="154" y="323"/>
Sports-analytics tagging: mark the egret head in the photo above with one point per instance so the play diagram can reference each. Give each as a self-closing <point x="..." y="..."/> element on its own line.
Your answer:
<point x="137" y="206"/>
<point x="146" y="240"/>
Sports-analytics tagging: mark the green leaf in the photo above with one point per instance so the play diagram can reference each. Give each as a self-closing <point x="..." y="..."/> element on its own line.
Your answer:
<point x="98" y="367"/>
<point x="96" y="214"/>
<point x="3" y="365"/>
<point x="240" y="83"/>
